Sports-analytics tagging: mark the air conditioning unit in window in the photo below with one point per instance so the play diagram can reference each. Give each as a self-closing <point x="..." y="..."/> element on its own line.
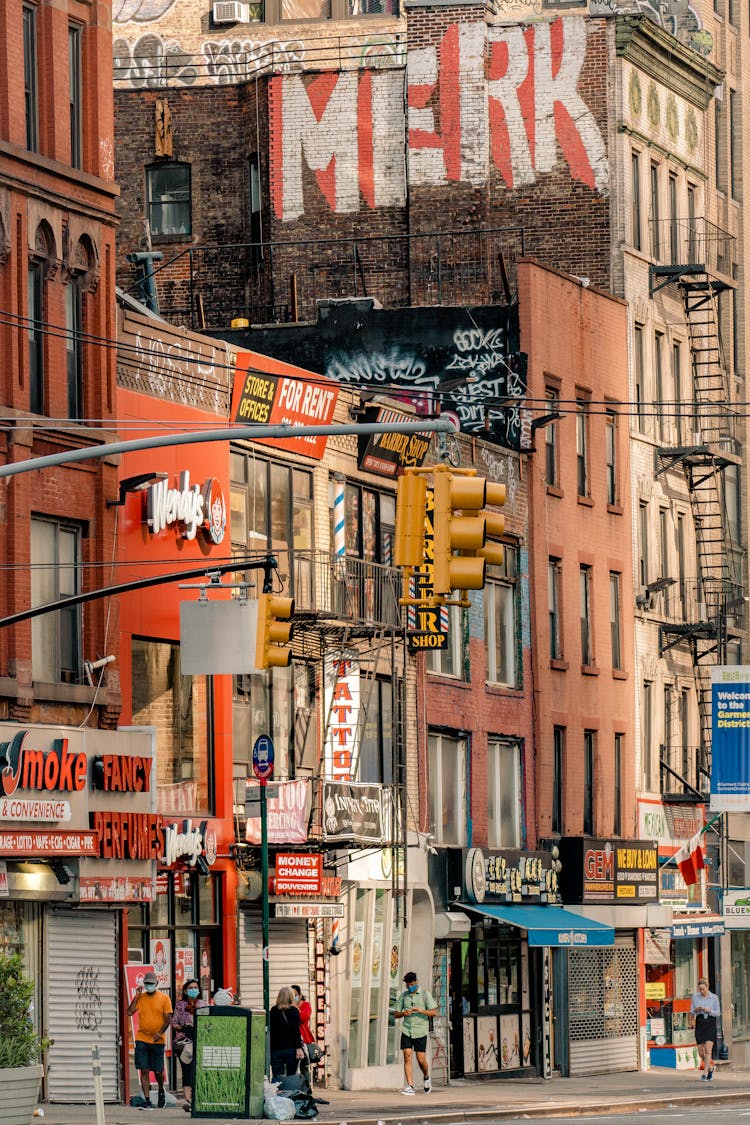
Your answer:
<point x="231" y="11"/>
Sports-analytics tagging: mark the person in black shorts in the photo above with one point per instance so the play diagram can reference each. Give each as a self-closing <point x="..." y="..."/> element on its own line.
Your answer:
<point x="704" y="1011"/>
<point x="415" y="1006"/>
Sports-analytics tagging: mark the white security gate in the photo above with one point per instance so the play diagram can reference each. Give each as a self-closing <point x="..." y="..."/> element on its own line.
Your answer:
<point x="603" y="1008"/>
<point x="289" y="960"/>
<point x="81" y="1003"/>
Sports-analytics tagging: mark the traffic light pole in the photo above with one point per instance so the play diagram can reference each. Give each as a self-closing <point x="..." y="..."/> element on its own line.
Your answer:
<point x="232" y="433"/>
<point x="266" y="935"/>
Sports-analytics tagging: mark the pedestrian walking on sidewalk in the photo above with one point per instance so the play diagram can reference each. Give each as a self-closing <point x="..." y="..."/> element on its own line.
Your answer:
<point x="415" y="1006"/>
<point x="704" y="1011"/>
<point x="154" y="1010"/>
<point x="285" y="1035"/>
<point x="183" y="1026"/>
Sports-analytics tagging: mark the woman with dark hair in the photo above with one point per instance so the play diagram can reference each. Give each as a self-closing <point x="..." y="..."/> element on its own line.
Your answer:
<point x="184" y="1030"/>
<point x="304" y="1007"/>
<point x="285" y="1035"/>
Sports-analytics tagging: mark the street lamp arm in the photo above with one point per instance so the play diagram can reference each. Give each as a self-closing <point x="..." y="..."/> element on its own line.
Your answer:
<point x="233" y="433"/>
<point x="267" y="563"/>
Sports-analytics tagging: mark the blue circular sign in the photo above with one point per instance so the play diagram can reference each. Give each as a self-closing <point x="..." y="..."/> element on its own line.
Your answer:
<point x="263" y="758"/>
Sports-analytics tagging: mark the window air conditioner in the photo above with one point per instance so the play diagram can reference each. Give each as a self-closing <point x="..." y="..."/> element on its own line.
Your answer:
<point x="231" y="11"/>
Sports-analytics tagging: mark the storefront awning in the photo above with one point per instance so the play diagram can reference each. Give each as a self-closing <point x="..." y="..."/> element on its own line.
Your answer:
<point x="549" y="925"/>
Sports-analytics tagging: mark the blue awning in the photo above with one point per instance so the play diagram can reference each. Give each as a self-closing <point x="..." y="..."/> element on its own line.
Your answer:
<point x="549" y="925"/>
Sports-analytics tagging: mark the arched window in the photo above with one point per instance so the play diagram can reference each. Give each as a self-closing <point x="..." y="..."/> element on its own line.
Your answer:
<point x="80" y="272"/>
<point x="168" y="196"/>
<point x="40" y="262"/>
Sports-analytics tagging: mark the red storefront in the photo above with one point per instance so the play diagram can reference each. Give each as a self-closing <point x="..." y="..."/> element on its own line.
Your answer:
<point x="173" y="518"/>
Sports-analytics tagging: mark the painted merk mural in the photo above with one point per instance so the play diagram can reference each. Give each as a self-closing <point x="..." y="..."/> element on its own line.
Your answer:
<point x="467" y="361"/>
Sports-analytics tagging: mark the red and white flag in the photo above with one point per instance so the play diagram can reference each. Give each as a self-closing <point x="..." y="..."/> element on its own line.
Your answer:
<point x="690" y="859"/>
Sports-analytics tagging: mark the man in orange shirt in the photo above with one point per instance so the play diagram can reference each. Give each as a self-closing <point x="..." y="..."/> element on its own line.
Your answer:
<point x="154" y="1010"/>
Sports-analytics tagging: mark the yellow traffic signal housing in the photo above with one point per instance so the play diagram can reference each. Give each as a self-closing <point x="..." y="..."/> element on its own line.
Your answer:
<point x="494" y="523"/>
<point x="459" y="525"/>
<point x="274" y="632"/>
<point x="411" y="499"/>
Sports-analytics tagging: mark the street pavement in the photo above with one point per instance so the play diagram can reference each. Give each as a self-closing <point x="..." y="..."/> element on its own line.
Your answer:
<point x="467" y="1101"/>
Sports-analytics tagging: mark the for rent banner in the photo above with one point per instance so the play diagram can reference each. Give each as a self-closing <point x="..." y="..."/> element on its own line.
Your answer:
<point x="730" y="747"/>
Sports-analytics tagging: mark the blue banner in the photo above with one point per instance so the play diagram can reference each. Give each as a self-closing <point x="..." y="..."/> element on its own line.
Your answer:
<point x="730" y="743"/>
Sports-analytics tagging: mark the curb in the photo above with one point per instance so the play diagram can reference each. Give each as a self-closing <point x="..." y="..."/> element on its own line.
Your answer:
<point x="553" y="1109"/>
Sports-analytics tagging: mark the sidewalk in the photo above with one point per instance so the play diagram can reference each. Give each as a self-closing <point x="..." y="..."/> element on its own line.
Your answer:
<point x="474" y="1101"/>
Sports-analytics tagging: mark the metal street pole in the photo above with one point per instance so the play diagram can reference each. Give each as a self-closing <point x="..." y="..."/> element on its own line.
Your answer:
<point x="233" y="433"/>
<point x="264" y="900"/>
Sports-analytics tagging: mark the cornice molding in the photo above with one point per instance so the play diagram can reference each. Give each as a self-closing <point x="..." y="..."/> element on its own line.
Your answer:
<point x="658" y="54"/>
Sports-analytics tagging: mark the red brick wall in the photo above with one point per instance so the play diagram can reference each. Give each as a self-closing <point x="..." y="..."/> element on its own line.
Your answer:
<point x="576" y="338"/>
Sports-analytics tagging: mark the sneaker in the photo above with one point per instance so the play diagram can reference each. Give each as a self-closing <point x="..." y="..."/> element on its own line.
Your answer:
<point x="710" y="1075"/>
<point x="704" y="1078"/>
<point x="408" y="1090"/>
<point x="187" y="1107"/>
<point x="146" y="1106"/>
<point x="161" y="1100"/>
<point x="427" y="1085"/>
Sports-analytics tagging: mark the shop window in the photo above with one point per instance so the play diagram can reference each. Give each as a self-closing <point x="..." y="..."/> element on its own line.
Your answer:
<point x="179" y="707"/>
<point x="375" y="978"/>
<point x="504" y="797"/>
<point x="449" y="661"/>
<point x="500" y="621"/>
<point x="740" y="945"/>
<point x="55" y="574"/>
<point x="168" y="194"/>
<point x="447" y="788"/>
<point x="180" y="932"/>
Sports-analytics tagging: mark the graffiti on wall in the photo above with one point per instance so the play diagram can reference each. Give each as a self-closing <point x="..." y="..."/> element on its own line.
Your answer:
<point x="152" y="62"/>
<point x="139" y="11"/>
<point x="678" y="17"/>
<point x="503" y="98"/>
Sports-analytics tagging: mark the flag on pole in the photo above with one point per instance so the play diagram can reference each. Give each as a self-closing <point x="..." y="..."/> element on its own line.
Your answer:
<point x="690" y="860"/>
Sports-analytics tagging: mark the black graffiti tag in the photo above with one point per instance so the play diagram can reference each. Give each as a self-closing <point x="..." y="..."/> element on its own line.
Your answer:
<point x="89" y="1002"/>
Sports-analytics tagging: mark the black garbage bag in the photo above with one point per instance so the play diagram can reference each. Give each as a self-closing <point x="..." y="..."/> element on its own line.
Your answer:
<point x="298" y="1088"/>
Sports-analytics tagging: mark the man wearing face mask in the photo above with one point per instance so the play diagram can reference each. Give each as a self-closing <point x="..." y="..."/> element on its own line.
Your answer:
<point x="154" y="1010"/>
<point x="415" y="1007"/>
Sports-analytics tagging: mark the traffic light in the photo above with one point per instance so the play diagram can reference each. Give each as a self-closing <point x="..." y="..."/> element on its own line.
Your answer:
<point x="461" y="524"/>
<point x="274" y="632"/>
<point x="458" y="525"/>
<point x="411" y="498"/>
<point x="494" y="523"/>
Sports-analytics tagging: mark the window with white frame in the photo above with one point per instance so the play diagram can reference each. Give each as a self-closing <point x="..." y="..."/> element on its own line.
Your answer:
<point x="611" y="452"/>
<point x="449" y="661"/>
<point x="615" y="624"/>
<point x="500" y="616"/>
<point x="55" y="574"/>
<point x="447" y="787"/>
<point x="582" y="446"/>
<point x="587" y="635"/>
<point x="503" y="793"/>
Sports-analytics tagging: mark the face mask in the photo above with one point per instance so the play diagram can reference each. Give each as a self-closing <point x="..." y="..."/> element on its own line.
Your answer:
<point x="193" y="993"/>
<point x="150" y="988"/>
<point x="412" y="988"/>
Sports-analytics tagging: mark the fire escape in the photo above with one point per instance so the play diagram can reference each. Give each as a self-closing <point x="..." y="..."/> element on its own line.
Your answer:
<point x="349" y="606"/>
<point x="705" y="613"/>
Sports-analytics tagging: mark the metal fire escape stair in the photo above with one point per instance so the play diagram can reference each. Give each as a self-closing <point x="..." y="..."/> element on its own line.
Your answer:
<point x="709" y="449"/>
